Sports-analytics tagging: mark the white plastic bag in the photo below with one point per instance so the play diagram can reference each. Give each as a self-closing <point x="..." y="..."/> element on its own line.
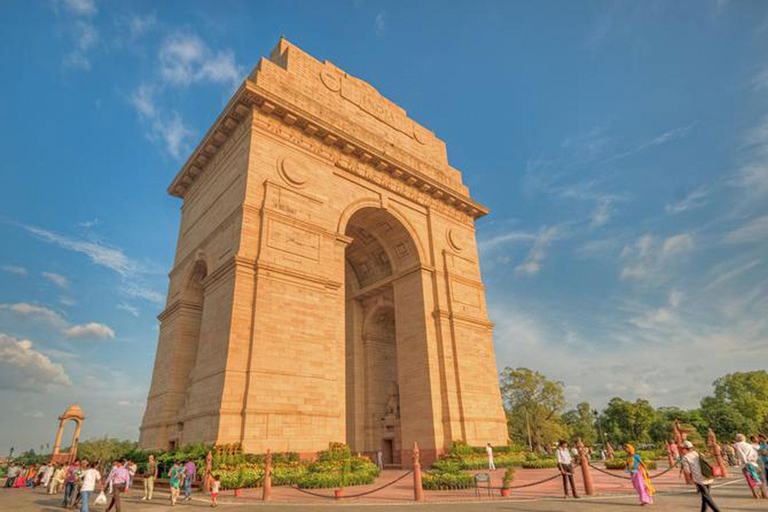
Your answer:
<point x="101" y="499"/>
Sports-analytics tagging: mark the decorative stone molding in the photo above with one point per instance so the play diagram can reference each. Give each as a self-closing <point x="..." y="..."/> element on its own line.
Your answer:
<point x="250" y="96"/>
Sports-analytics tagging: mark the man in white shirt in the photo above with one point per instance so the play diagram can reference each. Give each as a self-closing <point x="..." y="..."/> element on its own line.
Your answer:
<point x="89" y="478"/>
<point x="566" y="468"/>
<point x="692" y="466"/>
<point x="489" y="452"/>
<point x="749" y="462"/>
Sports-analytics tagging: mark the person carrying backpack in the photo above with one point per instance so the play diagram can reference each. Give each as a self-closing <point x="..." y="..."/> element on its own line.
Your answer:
<point x="700" y="471"/>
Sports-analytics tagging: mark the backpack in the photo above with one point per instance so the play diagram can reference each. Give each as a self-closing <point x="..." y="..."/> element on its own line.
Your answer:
<point x="706" y="467"/>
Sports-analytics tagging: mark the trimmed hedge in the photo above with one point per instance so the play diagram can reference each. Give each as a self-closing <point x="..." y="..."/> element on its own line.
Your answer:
<point x="443" y="481"/>
<point x="621" y="464"/>
<point x="539" y="464"/>
<point x="337" y="467"/>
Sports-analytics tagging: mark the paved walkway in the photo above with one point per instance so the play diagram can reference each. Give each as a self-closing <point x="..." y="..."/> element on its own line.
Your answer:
<point x="614" y="494"/>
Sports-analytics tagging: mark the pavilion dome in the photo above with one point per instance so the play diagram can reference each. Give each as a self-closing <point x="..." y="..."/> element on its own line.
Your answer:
<point x="73" y="411"/>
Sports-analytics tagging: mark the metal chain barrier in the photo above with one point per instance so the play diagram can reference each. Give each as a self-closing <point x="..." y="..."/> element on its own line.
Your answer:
<point x="622" y="477"/>
<point x="358" y="495"/>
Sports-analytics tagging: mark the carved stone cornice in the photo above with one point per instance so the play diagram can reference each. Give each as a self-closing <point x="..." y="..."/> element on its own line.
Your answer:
<point x="356" y="152"/>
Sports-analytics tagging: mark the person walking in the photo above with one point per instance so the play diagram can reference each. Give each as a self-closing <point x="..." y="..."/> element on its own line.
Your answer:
<point x="763" y="452"/>
<point x="748" y="459"/>
<point x="215" y="486"/>
<point x="13" y="474"/>
<point x="691" y="462"/>
<point x="69" y="484"/>
<point x="57" y="482"/>
<point x="489" y="453"/>
<point x="89" y="477"/>
<point x="132" y="468"/>
<point x="380" y="460"/>
<point x="175" y="477"/>
<point x="190" y="471"/>
<point x="639" y="473"/>
<point x="118" y="478"/>
<point x="565" y="466"/>
<point x="31" y="476"/>
<point x="150" y="474"/>
<point x="47" y="475"/>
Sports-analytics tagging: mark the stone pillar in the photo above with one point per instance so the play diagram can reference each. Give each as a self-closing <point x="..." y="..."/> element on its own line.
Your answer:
<point x="57" y="444"/>
<point x="589" y="486"/>
<point x="207" y="479"/>
<point x="267" y="488"/>
<point x="417" y="489"/>
<point x="75" y="439"/>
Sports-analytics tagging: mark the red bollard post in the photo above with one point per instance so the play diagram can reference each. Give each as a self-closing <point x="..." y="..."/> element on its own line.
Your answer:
<point x="266" y="491"/>
<point x="207" y="480"/>
<point x="417" y="489"/>
<point x="670" y="457"/>
<point x="589" y="486"/>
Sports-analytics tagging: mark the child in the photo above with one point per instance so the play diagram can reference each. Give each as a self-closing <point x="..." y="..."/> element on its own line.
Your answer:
<point x="215" y="485"/>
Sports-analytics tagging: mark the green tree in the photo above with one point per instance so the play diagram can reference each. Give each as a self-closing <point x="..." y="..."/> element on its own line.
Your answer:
<point x="580" y="422"/>
<point x="533" y="405"/>
<point x="739" y="404"/>
<point x="105" y="449"/>
<point x="626" y="422"/>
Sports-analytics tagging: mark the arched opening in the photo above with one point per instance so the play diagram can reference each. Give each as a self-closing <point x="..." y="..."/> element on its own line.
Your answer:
<point x="194" y="296"/>
<point x="380" y="254"/>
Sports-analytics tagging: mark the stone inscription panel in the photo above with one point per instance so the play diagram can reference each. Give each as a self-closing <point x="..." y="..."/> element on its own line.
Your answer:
<point x="293" y="240"/>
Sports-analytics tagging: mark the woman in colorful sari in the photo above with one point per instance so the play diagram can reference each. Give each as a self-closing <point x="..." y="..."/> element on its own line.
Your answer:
<point x="639" y="473"/>
<point x="31" y="474"/>
<point x="21" y="480"/>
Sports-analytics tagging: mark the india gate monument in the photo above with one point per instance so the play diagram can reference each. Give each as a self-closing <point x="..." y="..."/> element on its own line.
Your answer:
<point x="326" y="284"/>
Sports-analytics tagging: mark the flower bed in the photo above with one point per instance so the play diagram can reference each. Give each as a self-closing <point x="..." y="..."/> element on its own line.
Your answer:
<point x="337" y="468"/>
<point x="621" y="464"/>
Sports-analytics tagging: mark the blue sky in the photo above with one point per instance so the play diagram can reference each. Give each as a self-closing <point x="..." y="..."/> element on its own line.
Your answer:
<point x="622" y="148"/>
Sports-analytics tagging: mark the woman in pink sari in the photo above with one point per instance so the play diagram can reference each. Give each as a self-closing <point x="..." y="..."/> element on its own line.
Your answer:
<point x="640" y="479"/>
<point x="21" y="480"/>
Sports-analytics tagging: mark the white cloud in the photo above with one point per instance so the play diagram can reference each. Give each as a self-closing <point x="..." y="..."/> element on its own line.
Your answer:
<point x="57" y="279"/>
<point x="36" y="312"/>
<point x="81" y="7"/>
<point x="186" y="59"/>
<point x="14" y="269"/>
<point x="67" y="301"/>
<point x="90" y="330"/>
<point x="24" y="368"/>
<point x="675" y="297"/>
<point x="133" y="310"/>
<point x="379" y="24"/>
<point x="678" y="244"/>
<point x="755" y="230"/>
<point x="695" y="199"/>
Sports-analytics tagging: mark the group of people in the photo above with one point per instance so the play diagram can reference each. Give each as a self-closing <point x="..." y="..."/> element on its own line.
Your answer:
<point x="80" y="479"/>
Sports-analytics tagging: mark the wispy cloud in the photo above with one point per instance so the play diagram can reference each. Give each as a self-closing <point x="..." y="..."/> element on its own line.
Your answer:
<point x="57" y="279"/>
<point x="133" y="310"/>
<point x="24" y="368"/>
<point x="693" y="200"/>
<point x="663" y="138"/>
<point x="649" y="258"/>
<point x="169" y="128"/>
<point x="532" y="264"/>
<point x="107" y="256"/>
<point x="14" y="269"/>
<point x="379" y="24"/>
<point x="79" y="15"/>
<point x="724" y="272"/>
<point x="753" y="231"/>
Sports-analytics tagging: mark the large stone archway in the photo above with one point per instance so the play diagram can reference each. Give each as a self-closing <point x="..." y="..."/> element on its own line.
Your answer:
<point x="341" y="296"/>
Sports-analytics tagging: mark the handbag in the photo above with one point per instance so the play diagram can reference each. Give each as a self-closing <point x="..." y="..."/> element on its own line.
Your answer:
<point x="101" y="499"/>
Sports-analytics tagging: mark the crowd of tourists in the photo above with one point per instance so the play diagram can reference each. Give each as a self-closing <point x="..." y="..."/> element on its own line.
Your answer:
<point x="77" y="482"/>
